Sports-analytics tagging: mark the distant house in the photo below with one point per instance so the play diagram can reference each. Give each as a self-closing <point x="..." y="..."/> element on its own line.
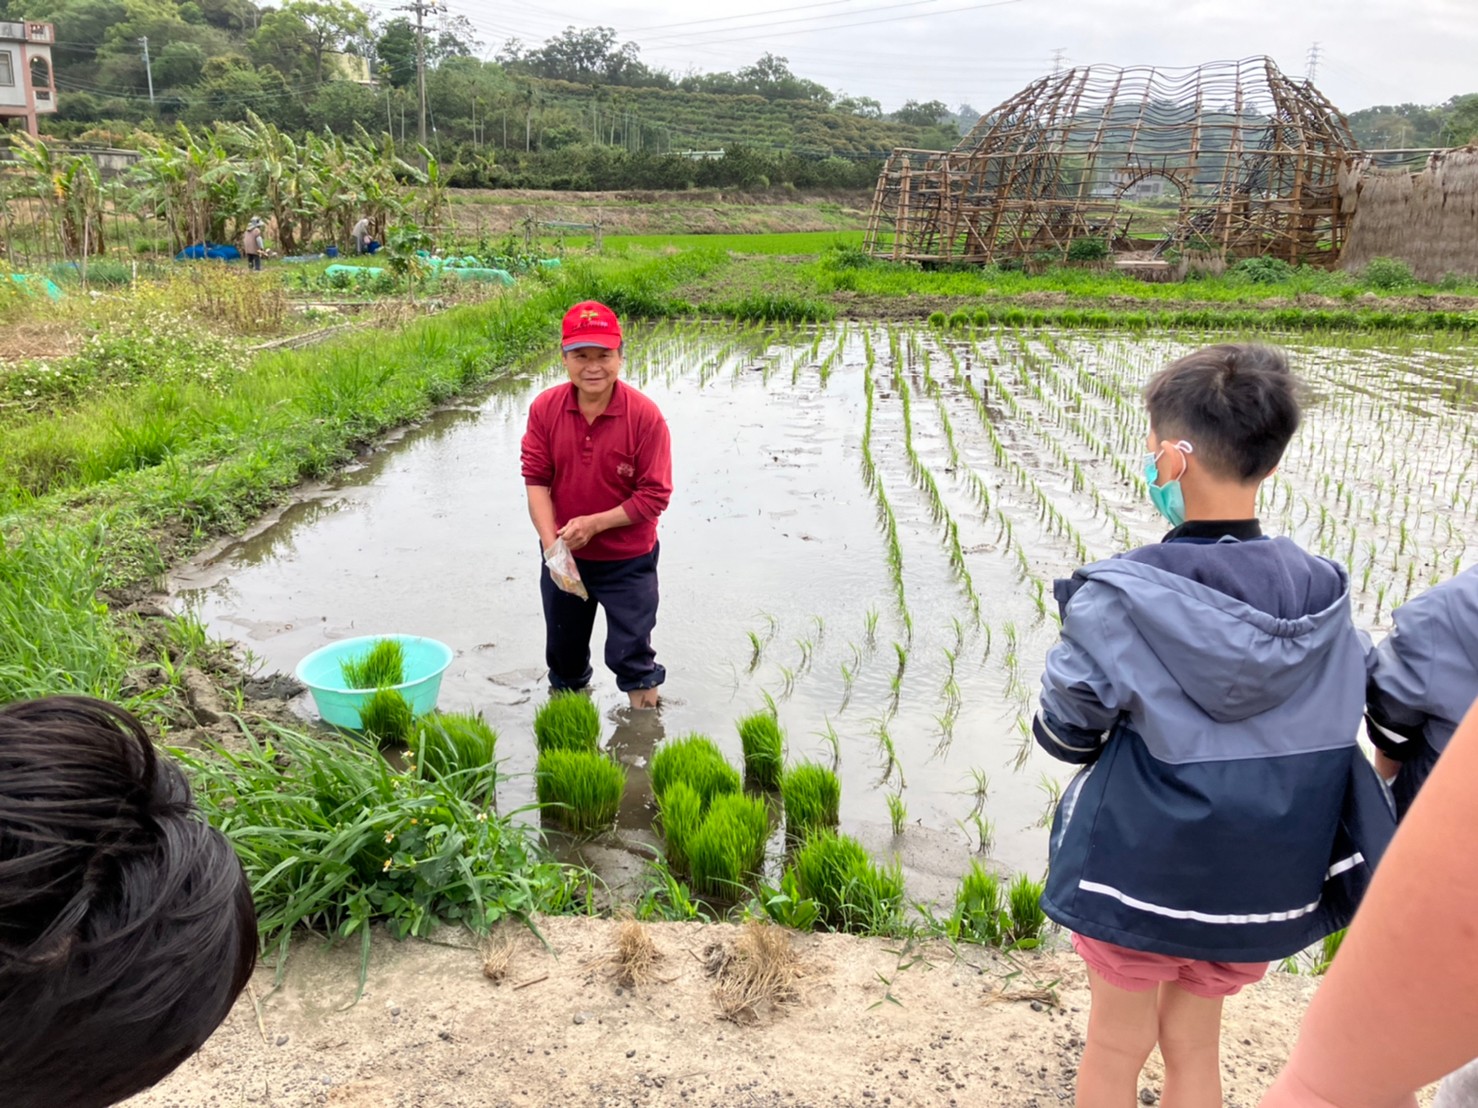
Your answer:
<point x="348" y="67"/>
<point x="27" y="89"/>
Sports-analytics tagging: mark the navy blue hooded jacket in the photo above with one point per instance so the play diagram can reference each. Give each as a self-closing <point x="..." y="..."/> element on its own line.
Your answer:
<point x="1215" y="691"/>
<point x="1423" y="680"/>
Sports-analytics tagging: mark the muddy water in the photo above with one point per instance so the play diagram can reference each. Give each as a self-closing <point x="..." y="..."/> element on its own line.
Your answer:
<point x="774" y="532"/>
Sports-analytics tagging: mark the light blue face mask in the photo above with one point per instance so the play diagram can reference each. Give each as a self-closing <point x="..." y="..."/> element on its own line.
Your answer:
<point x="1168" y="499"/>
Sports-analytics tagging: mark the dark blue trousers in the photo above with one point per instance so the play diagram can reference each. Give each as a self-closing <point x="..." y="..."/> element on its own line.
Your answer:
<point x="627" y="590"/>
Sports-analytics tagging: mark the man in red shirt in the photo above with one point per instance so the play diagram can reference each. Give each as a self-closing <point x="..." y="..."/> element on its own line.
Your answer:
<point x="597" y="465"/>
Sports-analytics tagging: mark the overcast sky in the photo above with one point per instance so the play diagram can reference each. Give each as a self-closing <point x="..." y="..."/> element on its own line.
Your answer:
<point x="959" y="51"/>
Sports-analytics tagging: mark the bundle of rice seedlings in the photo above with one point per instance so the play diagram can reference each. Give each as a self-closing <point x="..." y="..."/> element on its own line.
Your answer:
<point x="682" y="813"/>
<point x="636" y="955"/>
<point x="387" y="716"/>
<point x="764" y="749"/>
<point x="379" y="667"/>
<point x="850" y="892"/>
<point x="813" y="796"/>
<point x="1024" y="906"/>
<point x="457" y="743"/>
<point x="979" y="906"/>
<point x="758" y="969"/>
<point x="579" y="788"/>
<point x="696" y="761"/>
<point x="728" y="845"/>
<point x="567" y="721"/>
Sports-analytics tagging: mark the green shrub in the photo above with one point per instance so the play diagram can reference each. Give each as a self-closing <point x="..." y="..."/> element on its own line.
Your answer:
<point x="938" y="320"/>
<point x="981" y="317"/>
<point x="764" y="749"/>
<point x="843" y="256"/>
<point x="696" y="761"/>
<point x="812" y="795"/>
<point x="979" y="914"/>
<point x="729" y="845"/>
<point x="567" y="721"/>
<point x="387" y="716"/>
<point x="773" y="307"/>
<point x="338" y="840"/>
<point x="379" y="667"/>
<point x="1387" y="274"/>
<point x="1024" y="905"/>
<point x="1262" y="271"/>
<point x="581" y="789"/>
<point x="960" y="318"/>
<point x="1087" y="250"/>
<point x="457" y="744"/>
<point x="681" y="809"/>
<point x="850" y="892"/>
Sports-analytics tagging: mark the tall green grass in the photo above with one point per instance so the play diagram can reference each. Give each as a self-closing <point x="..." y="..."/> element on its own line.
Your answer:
<point x="567" y="721"/>
<point x="980" y="908"/>
<point x="812" y="795"/>
<point x="339" y="840"/>
<point x="381" y="665"/>
<point x="697" y="762"/>
<point x="579" y="788"/>
<point x="764" y="749"/>
<point x="851" y="893"/>
<point x="459" y="746"/>
<point x="681" y="810"/>
<point x="729" y="845"/>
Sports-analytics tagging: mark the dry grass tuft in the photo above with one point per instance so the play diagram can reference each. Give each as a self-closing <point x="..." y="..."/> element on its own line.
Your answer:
<point x="636" y="956"/>
<point x="756" y="970"/>
<point x="497" y="953"/>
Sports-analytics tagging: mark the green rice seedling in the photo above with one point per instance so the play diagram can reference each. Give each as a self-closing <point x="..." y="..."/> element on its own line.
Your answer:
<point x="1053" y="789"/>
<point x="379" y="667"/>
<point x="387" y="716"/>
<point x="457" y="745"/>
<point x="979" y="914"/>
<point x="337" y="839"/>
<point x="696" y="761"/>
<point x="787" y="685"/>
<point x="870" y="625"/>
<point x="812" y="795"/>
<point x="681" y="809"/>
<point x="581" y="789"/>
<point x="1328" y="948"/>
<point x="851" y="893"/>
<point x="729" y="845"/>
<point x="764" y="749"/>
<point x="567" y="721"/>
<point x="897" y="813"/>
<point x="1024" y="905"/>
<point x="756" y="650"/>
<point x="834" y="741"/>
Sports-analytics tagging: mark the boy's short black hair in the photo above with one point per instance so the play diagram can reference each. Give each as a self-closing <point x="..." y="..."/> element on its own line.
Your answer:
<point x="1237" y="403"/>
<point x="126" y="923"/>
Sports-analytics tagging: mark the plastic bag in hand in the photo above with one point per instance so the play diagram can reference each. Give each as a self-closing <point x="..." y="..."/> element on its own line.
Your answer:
<point x="563" y="570"/>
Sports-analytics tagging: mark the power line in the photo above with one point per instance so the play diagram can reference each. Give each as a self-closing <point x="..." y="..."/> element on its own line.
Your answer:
<point x="768" y="32"/>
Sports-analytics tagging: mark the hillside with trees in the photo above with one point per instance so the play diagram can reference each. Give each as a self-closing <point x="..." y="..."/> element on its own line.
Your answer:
<point x="580" y="111"/>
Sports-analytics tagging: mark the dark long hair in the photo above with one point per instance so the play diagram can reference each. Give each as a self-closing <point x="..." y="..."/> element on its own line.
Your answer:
<point x="126" y="923"/>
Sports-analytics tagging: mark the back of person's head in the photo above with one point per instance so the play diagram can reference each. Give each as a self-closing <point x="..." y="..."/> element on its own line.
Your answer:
<point x="1237" y="404"/>
<point x="126" y="923"/>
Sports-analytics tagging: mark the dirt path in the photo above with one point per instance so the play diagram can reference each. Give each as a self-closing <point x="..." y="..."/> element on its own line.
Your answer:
<point x="559" y="1029"/>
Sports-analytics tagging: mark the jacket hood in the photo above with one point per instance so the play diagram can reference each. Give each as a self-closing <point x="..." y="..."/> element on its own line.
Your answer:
<point x="1231" y="659"/>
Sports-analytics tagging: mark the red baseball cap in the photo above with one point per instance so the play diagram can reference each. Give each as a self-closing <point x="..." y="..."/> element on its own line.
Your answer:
<point x="591" y="323"/>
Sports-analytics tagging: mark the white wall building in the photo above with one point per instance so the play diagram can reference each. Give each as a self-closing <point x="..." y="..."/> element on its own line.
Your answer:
<point x="27" y="88"/>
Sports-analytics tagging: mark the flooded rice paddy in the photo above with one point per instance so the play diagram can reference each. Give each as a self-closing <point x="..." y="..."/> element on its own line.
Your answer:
<point x="865" y="527"/>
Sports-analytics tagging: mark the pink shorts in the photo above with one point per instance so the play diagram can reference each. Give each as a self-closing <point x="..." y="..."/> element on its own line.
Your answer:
<point x="1137" y="971"/>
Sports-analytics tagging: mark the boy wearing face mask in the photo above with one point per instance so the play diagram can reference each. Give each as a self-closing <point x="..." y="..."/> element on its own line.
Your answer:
<point x="1212" y="685"/>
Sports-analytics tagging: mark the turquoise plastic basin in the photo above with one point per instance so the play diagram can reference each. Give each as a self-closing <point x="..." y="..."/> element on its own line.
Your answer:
<point x="425" y="661"/>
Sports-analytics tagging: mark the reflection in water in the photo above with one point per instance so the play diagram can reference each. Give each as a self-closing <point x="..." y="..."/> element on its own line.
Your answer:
<point x="637" y="734"/>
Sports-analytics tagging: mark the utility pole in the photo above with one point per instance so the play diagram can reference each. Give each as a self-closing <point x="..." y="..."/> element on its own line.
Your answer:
<point x="421" y="8"/>
<point x="1058" y="57"/>
<point x="1313" y="66"/>
<point x="148" y="70"/>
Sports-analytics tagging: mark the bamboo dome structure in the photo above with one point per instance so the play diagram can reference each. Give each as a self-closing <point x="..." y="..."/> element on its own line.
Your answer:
<point x="1252" y="155"/>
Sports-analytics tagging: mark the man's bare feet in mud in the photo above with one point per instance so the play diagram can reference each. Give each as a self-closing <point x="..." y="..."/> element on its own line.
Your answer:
<point x="643" y="698"/>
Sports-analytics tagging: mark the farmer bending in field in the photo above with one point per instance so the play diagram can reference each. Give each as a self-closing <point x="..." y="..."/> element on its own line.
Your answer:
<point x="126" y="922"/>
<point x="597" y="464"/>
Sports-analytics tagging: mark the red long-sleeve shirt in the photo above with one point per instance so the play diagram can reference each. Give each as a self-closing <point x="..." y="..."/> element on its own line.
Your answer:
<point x="623" y="458"/>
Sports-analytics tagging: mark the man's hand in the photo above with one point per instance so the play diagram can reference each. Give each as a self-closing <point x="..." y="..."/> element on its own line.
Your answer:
<point x="578" y="532"/>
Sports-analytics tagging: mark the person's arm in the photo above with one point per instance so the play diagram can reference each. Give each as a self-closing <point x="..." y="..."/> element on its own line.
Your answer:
<point x="1079" y="704"/>
<point x="1397" y="689"/>
<point x="647" y="501"/>
<point x="541" y="511"/>
<point x="1399" y="1008"/>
